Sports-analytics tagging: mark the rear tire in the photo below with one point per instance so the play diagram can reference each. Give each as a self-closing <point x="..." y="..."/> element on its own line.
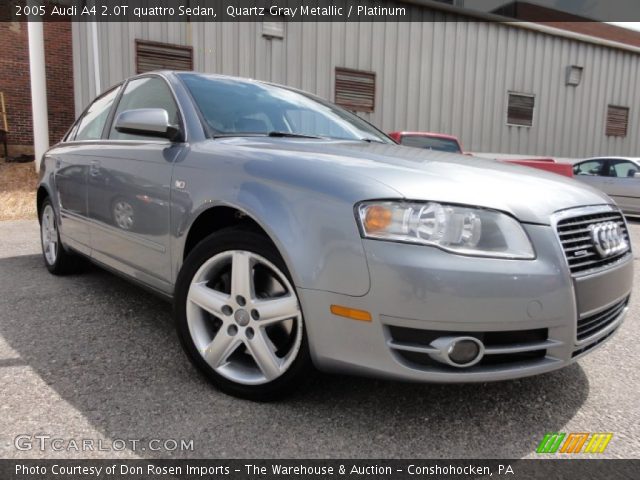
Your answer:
<point x="57" y="260"/>
<point x="238" y="316"/>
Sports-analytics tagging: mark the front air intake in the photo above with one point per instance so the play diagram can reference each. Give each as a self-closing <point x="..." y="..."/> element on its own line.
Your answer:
<point x="594" y="324"/>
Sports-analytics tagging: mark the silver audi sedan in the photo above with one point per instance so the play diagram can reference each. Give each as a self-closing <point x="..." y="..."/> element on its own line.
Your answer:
<point x="289" y="233"/>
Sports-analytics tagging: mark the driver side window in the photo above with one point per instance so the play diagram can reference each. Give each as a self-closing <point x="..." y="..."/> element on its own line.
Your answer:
<point x="146" y="92"/>
<point x="591" y="167"/>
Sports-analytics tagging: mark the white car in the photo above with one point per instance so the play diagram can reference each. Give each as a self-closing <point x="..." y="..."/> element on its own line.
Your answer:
<point x="618" y="177"/>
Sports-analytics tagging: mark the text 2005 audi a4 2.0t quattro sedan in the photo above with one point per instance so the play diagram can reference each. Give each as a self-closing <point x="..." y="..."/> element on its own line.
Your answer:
<point x="289" y="232"/>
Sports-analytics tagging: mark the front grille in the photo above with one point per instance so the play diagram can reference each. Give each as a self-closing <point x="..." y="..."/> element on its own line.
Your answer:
<point x="507" y="348"/>
<point x="575" y="236"/>
<point x="593" y="324"/>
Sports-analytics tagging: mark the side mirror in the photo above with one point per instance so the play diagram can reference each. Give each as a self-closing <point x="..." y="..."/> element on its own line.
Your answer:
<point x="151" y="122"/>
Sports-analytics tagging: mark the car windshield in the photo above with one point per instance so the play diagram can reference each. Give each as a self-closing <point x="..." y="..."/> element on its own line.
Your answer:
<point x="432" y="143"/>
<point x="237" y="107"/>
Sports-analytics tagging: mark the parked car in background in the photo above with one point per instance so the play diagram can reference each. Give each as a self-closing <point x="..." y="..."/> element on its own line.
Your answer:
<point x="289" y="232"/>
<point x="428" y="140"/>
<point x="449" y="143"/>
<point x="618" y="177"/>
<point x="548" y="164"/>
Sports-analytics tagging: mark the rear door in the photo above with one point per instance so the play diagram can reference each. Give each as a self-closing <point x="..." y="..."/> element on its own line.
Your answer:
<point x="129" y="189"/>
<point x="623" y="186"/>
<point x="72" y="164"/>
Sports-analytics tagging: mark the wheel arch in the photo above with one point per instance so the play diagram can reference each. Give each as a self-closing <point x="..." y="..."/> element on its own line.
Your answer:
<point x="218" y="217"/>
<point x="41" y="195"/>
<point x="313" y="229"/>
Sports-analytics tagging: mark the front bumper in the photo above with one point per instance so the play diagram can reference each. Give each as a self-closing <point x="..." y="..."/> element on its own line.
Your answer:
<point x="527" y="313"/>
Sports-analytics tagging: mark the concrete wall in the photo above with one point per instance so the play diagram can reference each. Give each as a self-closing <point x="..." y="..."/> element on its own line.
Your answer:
<point x="450" y="77"/>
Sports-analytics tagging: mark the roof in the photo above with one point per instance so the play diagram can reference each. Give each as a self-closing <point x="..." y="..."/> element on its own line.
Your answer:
<point x="565" y="25"/>
<point x="551" y="17"/>
<point x="613" y="157"/>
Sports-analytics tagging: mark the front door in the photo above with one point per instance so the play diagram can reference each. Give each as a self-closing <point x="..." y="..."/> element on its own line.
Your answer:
<point x="623" y="186"/>
<point x="592" y="172"/>
<point x="129" y="191"/>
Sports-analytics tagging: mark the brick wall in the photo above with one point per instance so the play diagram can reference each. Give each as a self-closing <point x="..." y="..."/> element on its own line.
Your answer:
<point x="14" y="82"/>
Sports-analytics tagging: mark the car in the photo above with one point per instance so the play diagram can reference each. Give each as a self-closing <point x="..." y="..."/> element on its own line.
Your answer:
<point x="618" y="177"/>
<point x="291" y="234"/>
<point x="429" y="140"/>
<point x="450" y="143"/>
<point x="548" y="164"/>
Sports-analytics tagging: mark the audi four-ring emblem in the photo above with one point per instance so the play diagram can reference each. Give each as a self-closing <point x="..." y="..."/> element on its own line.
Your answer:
<point x="608" y="238"/>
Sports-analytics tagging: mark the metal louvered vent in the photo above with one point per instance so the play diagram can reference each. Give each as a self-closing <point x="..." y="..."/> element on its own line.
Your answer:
<point x="617" y="121"/>
<point x="273" y="27"/>
<point x="162" y="56"/>
<point x="520" y="109"/>
<point x="355" y="89"/>
<point x="577" y="243"/>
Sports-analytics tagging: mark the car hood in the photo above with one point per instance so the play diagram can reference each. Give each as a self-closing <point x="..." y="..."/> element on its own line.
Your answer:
<point x="529" y="194"/>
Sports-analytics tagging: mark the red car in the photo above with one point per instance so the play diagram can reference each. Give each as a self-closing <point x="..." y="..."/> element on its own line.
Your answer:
<point x="432" y="141"/>
<point x="448" y="143"/>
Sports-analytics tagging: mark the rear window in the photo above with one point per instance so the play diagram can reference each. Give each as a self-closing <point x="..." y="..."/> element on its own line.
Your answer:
<point x="431" y="143"/>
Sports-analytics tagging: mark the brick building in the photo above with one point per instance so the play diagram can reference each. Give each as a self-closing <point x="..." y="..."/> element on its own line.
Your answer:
<point x="15" y="82"/>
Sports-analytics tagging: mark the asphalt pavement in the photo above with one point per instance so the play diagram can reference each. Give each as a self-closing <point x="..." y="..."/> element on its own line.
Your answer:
<point x="92" y="358"/>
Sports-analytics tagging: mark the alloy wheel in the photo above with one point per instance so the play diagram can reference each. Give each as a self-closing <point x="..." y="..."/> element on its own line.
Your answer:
<point x="244" y="317"/>
<point x="49" y="235"/>
<point x="123" y="214"/>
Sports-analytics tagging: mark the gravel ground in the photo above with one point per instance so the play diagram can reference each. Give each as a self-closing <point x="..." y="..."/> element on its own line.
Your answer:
<point x="92" y="357"/>
<point x="18" y="183"/>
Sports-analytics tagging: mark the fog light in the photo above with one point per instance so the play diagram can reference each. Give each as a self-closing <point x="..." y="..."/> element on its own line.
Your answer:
<point x="460" y="352"/>
<point x="464" y="352"/>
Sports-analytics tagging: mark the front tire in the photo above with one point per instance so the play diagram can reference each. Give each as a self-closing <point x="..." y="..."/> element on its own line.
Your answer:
<point x="57" y="260"/>
<point x="238" y="316"/>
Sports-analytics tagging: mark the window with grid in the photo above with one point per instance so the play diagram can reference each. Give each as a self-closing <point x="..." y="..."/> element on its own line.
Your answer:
<point x="617" y="121"/>
<point x="355" y="89"/>
<point x="520" y="109"/>
<point x="162" y="56"/>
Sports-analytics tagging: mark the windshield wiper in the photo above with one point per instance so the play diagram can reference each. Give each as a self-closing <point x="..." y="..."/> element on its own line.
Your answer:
<point x="290" y="134"/>
<point x="262" y="134"/>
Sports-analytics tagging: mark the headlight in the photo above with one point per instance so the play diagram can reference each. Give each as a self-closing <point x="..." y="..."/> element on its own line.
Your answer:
<point x="464" y="230"/>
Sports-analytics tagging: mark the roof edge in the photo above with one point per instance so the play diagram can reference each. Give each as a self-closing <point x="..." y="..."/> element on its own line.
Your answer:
<point x="537" y="27"/>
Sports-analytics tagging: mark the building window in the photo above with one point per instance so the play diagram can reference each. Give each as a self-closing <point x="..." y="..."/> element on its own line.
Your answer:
<point x="355" y="89"/>
<point x="520" y="109"/>
<point x="617" y="121"/>
<point x="162" y="56"/>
